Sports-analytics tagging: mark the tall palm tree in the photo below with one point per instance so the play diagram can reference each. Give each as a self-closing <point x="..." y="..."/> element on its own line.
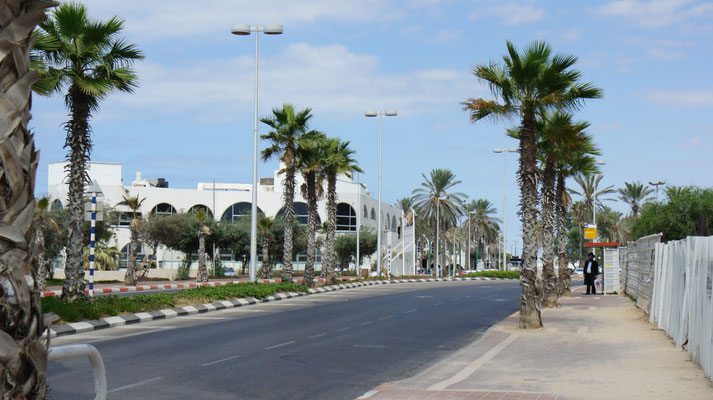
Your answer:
<point x="23" y="350"/>
<point x="436" y="196"/>
<point x="634" y="194"/>
<point x="338" y="160"/>
<point x="530" y="83"/>
<point x="483" y="225"/>
<point x="134" y="203"/>
<point x="92" y="60"/>
<point x="311" y="156"/>
<point x="264" y="225"/>
<point x="42" y="218"/>
<point x="203" y="233"/>
<point x="288" y="128"/>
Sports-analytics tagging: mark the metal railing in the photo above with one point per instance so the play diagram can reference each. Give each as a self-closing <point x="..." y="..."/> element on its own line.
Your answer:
<point x="89" y="351"/>
<point x="637" y="269"/>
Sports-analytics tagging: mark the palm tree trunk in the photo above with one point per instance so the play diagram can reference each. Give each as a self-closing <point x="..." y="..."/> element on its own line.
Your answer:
<point x="308" y="279"/>
<point x="549" y="279"/>
<point x="530" y="299"/>
<point x="130" y="276"/>
<point x="329" y="257"/>
<point x="265" y="270"/>
<point x="564" y="283"/>
<point x="41" y="267"/>
<point x="80" y="145"/>
<point x="23" y="352"/>
<point x="289" y="215"/>
<point x="202" y="274"/>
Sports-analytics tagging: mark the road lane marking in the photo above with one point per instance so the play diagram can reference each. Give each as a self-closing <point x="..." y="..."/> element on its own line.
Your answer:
<point x="133" y="385"/>
<point x="439" y="304"/>
<point x="467" y="297"/>
<point x="219" y="361"/>
<point x="456" y="299"/>
<point x="365" y="323"/>
<point x="316" y="336"/>
<point x="280" y="345"/>
<point x="344" y="329"/>
<point x="386" y="317"/>
<point x="369" y="346"/>
<point x="409" y="311"/>
<point x="468" y="371"/>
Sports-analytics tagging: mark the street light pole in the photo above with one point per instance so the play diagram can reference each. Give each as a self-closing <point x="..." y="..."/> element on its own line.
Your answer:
<point x="469" y="229"/>
<point x="380" y="114"/>
<point x="357" y="264"/>
<point x="246" y="30"/>
<point x="505" y="197"/>
<point x="657" y="184"/>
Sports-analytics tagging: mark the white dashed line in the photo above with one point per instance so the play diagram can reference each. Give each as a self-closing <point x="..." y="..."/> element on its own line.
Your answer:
<point x="386" y="317"/>
<point x="409" y="311"/>
<point x="365" y="323"/>
<point x="280" y="345"/>
<point x="120" y="388"/>
<point x="316" y="336"/>
<point x="344" y="329"/>
<point x="219" y="361"/>
<point x="439" y="304"/>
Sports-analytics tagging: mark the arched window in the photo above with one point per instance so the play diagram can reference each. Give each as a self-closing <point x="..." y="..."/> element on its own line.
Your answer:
<point x="56" y="205"/>
<point x="238" y="210"/>
<point x="373" y="214"/>
<point x="366" y="212"/>
<point x="199" y="207"/>
<point x="393" y="223"/>
<point x="388" y="222"/>
<point x="346" y="218"/>
<point x="300" y="213"/>
<point x="163" y="209"/>
<point x="124" y="257"/>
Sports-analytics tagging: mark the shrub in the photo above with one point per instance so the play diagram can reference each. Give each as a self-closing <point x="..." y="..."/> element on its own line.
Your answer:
<point x="494" y="274"/>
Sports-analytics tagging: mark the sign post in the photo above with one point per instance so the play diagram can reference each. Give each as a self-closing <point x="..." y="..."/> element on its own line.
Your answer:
<point x="92" y="212"/>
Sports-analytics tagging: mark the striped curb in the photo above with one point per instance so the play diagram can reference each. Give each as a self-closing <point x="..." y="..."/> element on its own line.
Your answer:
<point x="110" y="322"/>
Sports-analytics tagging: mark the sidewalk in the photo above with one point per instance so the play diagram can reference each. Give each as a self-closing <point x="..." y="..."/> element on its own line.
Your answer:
<point x="593" y="347"/>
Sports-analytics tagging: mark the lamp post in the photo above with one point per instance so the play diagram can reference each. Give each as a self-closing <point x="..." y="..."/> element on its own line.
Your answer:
<point x="469" y="229"/>
<point x="357" y="264"/>
<point x="505" y="151"/>
<point x="657" y="184"/>
<point x="437" y="272"/>
<point x="380" y="114"/>
<point x="594" y="204"/>
<point x="246" y="30"/>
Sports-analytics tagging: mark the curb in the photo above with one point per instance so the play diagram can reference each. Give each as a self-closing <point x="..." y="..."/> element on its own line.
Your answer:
<point x="110" y="322"/>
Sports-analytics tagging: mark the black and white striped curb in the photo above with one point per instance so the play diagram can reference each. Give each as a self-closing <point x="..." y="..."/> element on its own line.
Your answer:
<point x="110" y="322"/>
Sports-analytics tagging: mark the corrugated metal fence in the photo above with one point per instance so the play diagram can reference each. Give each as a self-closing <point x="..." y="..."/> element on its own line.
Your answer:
<point x="637" y="269"/>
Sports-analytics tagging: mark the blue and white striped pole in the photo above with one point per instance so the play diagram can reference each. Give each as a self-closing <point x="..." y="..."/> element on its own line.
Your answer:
<point x="91" y="244"/>
<point x="389" y="262"/>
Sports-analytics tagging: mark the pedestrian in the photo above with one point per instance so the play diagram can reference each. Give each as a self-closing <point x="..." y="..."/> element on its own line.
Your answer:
<point x="591" y="270"/>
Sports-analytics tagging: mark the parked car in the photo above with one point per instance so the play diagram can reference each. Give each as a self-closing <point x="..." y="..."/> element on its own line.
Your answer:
<point x="579" y="271"/>
<point x="230" y="271"/>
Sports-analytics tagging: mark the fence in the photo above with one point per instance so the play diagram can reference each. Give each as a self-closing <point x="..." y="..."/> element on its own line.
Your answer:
<point x="681" y="301"/>
<point x="637" y="263"/>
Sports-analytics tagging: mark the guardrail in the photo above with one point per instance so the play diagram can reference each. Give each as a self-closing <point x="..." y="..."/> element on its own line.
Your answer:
<point x="84" y="350"/>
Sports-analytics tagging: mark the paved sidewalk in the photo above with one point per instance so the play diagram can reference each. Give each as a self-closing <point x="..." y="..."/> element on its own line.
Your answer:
<point x="593" y="347"/>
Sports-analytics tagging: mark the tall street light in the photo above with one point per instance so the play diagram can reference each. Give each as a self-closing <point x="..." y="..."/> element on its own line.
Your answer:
<point x="380" y="114"/>
<point x="657" y="184"/>
<point x="469" y="229"/>
<point x="594" y="205"/>
<point x="505" y="152"/>
<point x="246" y="30"/>
<point x="437" y="272"/>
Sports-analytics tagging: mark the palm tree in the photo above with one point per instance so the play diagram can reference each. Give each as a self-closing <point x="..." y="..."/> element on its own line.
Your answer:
<point x="530" y="83"/>
<point x="311" y="156"/>
<point x="23" y="350"/>
<point x="591" y="196"/>
<point x="338" y="160"/>
<point x="92" y="60"/>
<point x="264" y="225"/>
<point x="634" y="194"/>
<point x="105" y="257"/>
<point x="203" y="233"/>
<point x="483" y="225"/>
<point x="134" y="203"/>
<point x="435" y="196"/>
<point x="42" y="218"/>
<point x="288" y="129"/>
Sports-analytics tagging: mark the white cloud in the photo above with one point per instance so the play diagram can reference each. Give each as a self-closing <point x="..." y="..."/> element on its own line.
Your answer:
<point x="446" y="35"/>
<point x="334" y="81"/>
<point x="663" y="49"/>
<point x="512" y="13"/>
<point x="656" y="13"/>
<point x="683" y="98"/>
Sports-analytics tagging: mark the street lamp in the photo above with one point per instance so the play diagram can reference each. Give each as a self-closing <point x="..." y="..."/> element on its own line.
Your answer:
<point x="437" y="272"/>
<point x="505" y="151"/>
<point x="246" y="30"/>
<point x="657" y="184"/>
<point x="380" y="114"/>
<point x="469" y="229"/>
<point x="594" y="204"/>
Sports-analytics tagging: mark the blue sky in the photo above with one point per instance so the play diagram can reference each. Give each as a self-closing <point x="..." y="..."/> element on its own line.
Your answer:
<point x="191" y="119"/>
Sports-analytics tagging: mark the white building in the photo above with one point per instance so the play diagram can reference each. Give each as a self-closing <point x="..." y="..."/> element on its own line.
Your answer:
<point x="229" y="201"/>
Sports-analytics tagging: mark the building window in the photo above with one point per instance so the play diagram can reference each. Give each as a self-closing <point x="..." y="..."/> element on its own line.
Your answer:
<point x="124" y="257"/>
<point x="57" y="205"/>
<point x="393" y="223"/>
<point x="237" y="211"/>
<point x="300" y="213"/>
<point x="366" y="212"/>
<point x="346" y="218"/>
<point x="125" y="217"/>
<point x="301" y="257"/>
<point x="373" y="214"/>
<point x="388" y="222"/>
<point x="199" y="207"/>
<point x="163" y="209"/>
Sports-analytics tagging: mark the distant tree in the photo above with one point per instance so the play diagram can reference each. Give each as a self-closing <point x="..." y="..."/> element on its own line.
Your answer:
<point x="345" y="246"/>
<point x="311" y="158"/>
<point x="134" y="203"/>
<point x="688" y="211"/>
<point x="203" y="232"/>
<point x="264" y="226"/>
<point x="634" y="194"/>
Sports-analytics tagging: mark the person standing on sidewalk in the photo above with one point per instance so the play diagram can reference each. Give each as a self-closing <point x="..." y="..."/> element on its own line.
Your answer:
<point x="591" y="270"/>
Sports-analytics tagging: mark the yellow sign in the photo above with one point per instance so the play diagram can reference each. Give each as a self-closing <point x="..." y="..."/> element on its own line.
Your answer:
<point x="590" y="232"/>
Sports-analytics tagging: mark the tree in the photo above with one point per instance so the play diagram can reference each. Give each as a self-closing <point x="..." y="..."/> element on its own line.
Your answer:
<point x="134" y="203"/>
<point x="203" y="232"/>
<point x="42" y="219"/>
<point x="634" y="194"/>
<point x="436" y="196"/>
<point x="337" y="161"/>
<point x="288" y="128"/>
<point x="688" y="211"/>
<point x="529" y="84"/>
<point x="311" y="156"/>
<point x="264" y="226"/>
<point x="483" y="225"/>
<point x="105" y="257"/>
<point x="345" y="246"/>
<point x="23" y="350"/>
<point x="92" y="60"/>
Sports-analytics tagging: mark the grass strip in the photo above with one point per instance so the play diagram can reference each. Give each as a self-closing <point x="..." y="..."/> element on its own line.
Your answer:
<point x="493" y="274"/>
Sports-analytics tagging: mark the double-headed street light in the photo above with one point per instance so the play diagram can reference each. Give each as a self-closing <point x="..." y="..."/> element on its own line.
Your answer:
<point x="657" y="184"/>
<point x="246" y="30"/>
<point x="380" y="114"/>
<point x="505" y="152"/>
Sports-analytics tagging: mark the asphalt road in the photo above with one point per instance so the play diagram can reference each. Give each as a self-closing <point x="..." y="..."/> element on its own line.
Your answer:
<point x="336" y="345"/>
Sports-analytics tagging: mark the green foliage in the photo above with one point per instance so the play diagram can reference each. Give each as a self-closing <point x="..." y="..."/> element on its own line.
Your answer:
<point x="218" y="269"/>
<point x="688" y="212"/>
<point x="345" y="246"/>
<point x="493" y="274"/>
<point x="105" y="306"/>
<point x="183" y="271"/>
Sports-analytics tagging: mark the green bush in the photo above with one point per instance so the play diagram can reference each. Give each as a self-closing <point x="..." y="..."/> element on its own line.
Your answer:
<point x="493" y="274"/>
